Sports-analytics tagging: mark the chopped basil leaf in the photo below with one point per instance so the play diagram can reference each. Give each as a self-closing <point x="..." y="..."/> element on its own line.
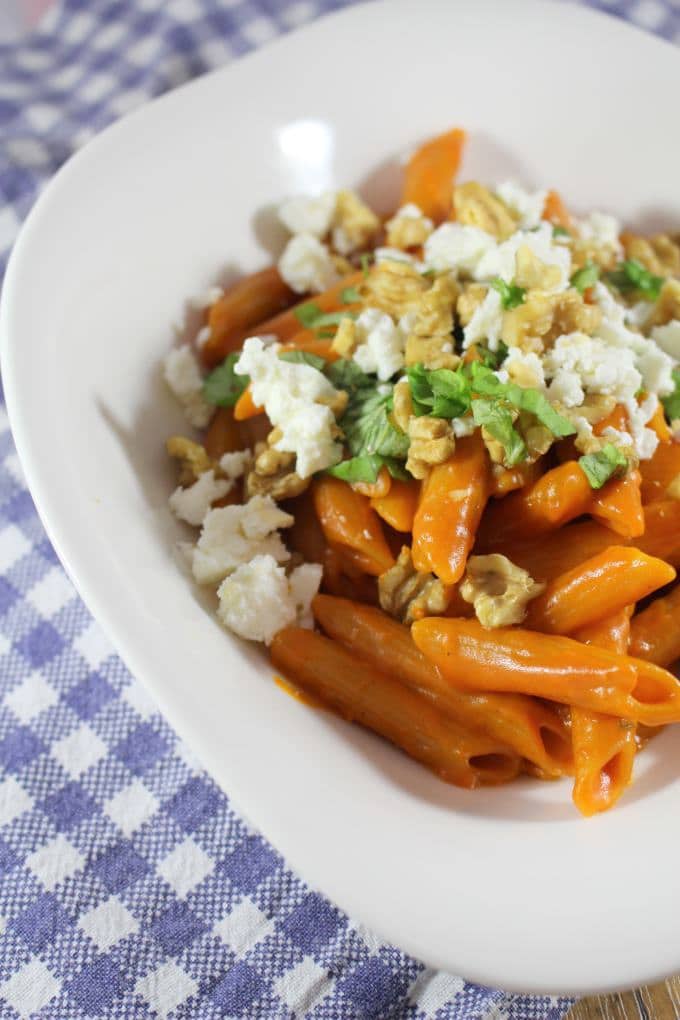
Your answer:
<point x="497" y="419"/>
<point x="560" y="232"/>
<point x="511" y="294"/>
<point x="429" y="273"/>
<point x="365" y="468"/>
<point x="585" y="277"/>
<point x="332" y="319"/>
<point x="671" y="403"/>
<point x="303" y="358"/>
<point x="307" y="314"/>
<point x="369" y="428"/>
<point x="632" y="275"/>
<point x="485" y="383"/>
<point x="349" y="295"/>
<point x="223" y="386"/>
<point x="440" y="392"/>
<point x="492" y="359"/>
<point x="365" y="260"/>
<point x="346" y="375"/>
<point x="601" y="466"/>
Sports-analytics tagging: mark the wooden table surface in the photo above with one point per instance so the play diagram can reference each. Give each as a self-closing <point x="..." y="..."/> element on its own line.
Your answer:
<point x="655" y="1002"/>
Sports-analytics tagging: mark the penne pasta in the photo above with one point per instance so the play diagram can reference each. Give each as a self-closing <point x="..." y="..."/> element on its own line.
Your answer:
<point x="236" y="314"/>
<point x="655" y="632"/>
<point x="428" y="178"/>
<point x="398" y="506"/>
<point x="362" y="694"/>
<point x="619" y="506"/>
<point x="348" y="521"/>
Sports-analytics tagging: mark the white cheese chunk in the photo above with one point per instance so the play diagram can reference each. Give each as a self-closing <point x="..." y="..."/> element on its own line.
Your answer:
<point x="645" y="440"/>
<point x="288" y="392"/>
<point x="458" y="247"/>
<point x="501" y="260"/>
<point x="527" y="205"/>
<point x="381" y="344"/>
<point x="668" y="338"/>
<point x="233" y="535"/>
<point x="182" y="373"/>
<point x="524" y="368"/>
<point x="463" y="426"/>
<point x="386" y="254"/>
<point x="306" y="265"/>
<point x="601" y="230"/>
<point x="486" y="323"/>
<point x="235" y="464"/>
<point x="258" y="600"/>
<point x="191" y="504"/>
<point x="580" y="364"/>
<point x="309" y="214"/>
<point x="654" y="364"/>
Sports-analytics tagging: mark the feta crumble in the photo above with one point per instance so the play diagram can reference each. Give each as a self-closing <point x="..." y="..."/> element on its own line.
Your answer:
<point x="501" y="259"/>
<point x="182" y="373"/>
<point x="381" y="344"/>
<point x="235" y="464"/>
<point x="258" y="600"/>
<point x="527" y="205"/>
<point x="580" y="364"/>
<point x="307" y="265"/>
<point x="233" y="535"/>
<point x="458" y="247"/>
<point x="668" y="338"/>
<point x="524" y="368"/>
<point x="486" y="322"/>
<point x="386" y="254"/>
<point x="309" y="214"/>
<point x="191" y="504"/>
<point x="601" y="230"/>
<point x="288" y="392"/>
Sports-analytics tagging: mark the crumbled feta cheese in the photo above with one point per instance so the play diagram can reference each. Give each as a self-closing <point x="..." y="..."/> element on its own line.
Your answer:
<point x="645" y="440"/>
<point x="459" y="247"/>
<point x="192" y="504"/>
<point x="580" y="364"/>
<point x="381" y="344"/>
<point x="501" y="260"/>
<point x="307" y="265"/>
<point x="202" y="337"/>
<point x="668" y="338"/>
<point x="463" y="426"/>
<point x="232" y="535"/>
<point x="638" y="314"/>
<point x="207" y="298"/>
<point x="601" y="230"/>
<point x="258" y="600"/>
<point x="288" y="392"/>
<point x="385" y="254"/>
<point x="235" y="464"/>
<point x="584" y="432"/>
<point x="409" y="227"/>
<point x="653" y="363"/>
<point x="527" y="205"/>
<point x="656" y="369"/>
<point x="524" y="368"/>
<point x="182" y="373"/>
<point x="410" y="211"/>
<point x="486" y="322"/>
<point x="309" y="214"/>
<point x="617" y="437"/>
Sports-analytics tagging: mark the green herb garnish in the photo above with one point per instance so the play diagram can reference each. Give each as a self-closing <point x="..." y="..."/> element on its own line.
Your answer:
<point x="441" y="392"/>
<point x="303" y="358"/>
<point x="497" y="419"/>
<point x="511" y="294"/>
<point x="365" y="468"/>
<point x="585" y="277"/>
<point x="313" y="317"/>
<point x="560" y="232"/>
<point x="223" y="386"/>
<point x="350" y="295"/>
<point x="365" y="260"/>
<point x="369" y="428"/>
<point x="671" y="403"/>
<point x="605" y="464"/>
<point x="486" y="383"/>
<point x="631" y="275"/>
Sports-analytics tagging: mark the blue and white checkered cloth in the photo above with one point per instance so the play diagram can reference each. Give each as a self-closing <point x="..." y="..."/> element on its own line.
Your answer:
<point x="129" y="888"/>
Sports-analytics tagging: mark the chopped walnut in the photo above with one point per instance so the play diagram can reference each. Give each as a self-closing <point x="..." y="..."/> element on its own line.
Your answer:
<point x="409" y="595"/>
<point x="475" y="206"/>
<point x="432" y="442"/>
<point x="543" y="317"/>
<point x="337" y="403"/>
<point x="273" y="473"/>
<point x="667" y="306"/>
<point x="659" y="254"/>
<point x="433" y="351"/>
<point x="394" y="287"/>
<point x="583" y="251"/>
<point x="345" y="339"/>
<point x="402" y="408"/>
<point x="470" y="299"/>
<point x="193" y="458"/>
<point x="531" y="273"/>
<point x="498" y="589"/>
<point x="354" y="224"/>
<point x="408" y="229"/>
<point x="434" y="311"/>
<point x="537" y="437"/>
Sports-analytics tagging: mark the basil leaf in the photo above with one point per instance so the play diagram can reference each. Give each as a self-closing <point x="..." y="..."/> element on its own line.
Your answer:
<point x="307" y="314"/>
<point x="369" y="429"/>
<point x="492" y="359"/>
<point x="497" y="420"/>
<point x="671" y="403"/>
<point x="332" y="319"/>
<point x="511" y="294"/>
<point x="349" y="295"/>
<point x="585" y="277"/>
<point x="303" y="358"/>
<point x="601" y="466"/>
<point x="365" y="260"/>
<point x="485" y="383"/>
<point x="632" y="275"/>
<point x="560" y="232"/>
<point x="223" y="386"/>
<point x="365" y="468"/>
<point x="345" y="374"/>
<point x="441" y="392"/>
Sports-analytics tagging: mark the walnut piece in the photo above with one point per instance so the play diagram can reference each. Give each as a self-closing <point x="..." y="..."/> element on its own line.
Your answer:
<point x="667" y="306"/>
<point x="345" y="339"/>
<point x="394" y="287"/>
<point x="531" y="273"/>
<point x="432" y="442"/>
<point x="273" y="473"/>
<point x="433" y="315"/>
<point x="543" y="317"/>
<point x="475" y="206"/>
<point x="659" y="254"/>
<point x="433" y="351"/>
<point x="402" y="408"/>
<point x="406" y="230"/>
<point x="498" y="589"/>
<point x="469" y="300"/>
<point x="354" y="224"/>
<point x="409" y="595"/>
<point x="193" y="458"/>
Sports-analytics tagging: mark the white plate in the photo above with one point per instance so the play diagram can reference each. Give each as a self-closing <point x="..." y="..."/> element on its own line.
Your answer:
<point x="507" y="887"/>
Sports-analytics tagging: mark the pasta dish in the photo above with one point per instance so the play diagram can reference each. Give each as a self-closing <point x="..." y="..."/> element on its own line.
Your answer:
<point x="437" y="473"/>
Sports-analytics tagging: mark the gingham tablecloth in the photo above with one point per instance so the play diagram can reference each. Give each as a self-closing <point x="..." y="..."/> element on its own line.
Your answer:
<point x="129" y="888"/>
